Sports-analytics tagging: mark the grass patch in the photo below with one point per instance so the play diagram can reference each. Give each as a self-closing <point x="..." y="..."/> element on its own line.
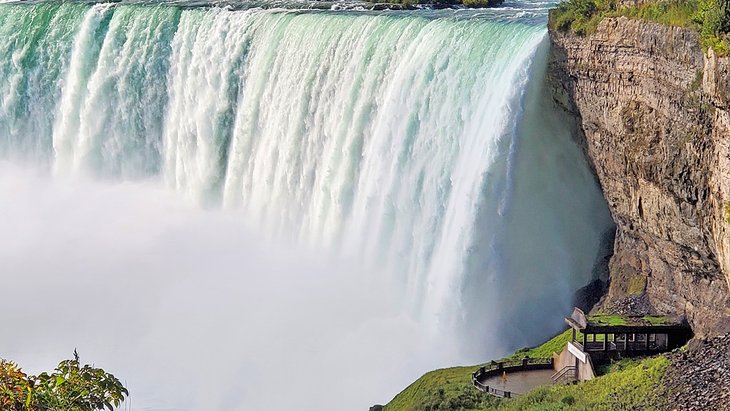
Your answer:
<point x="656" y="320"/>
<point x="632" y="384"/>
<point x="711" y="18"/>
<point x="607" y="319"/>
<point x="669" y="13"/>
<point x="451" y="388"/>
<point x="614" y="319"/>
<point x="465" y="3"/>
<point x="580" y="16"/>
<point x="545" y="350"/>
<point x="445" y="389"/>
<point x="627" y="384"/>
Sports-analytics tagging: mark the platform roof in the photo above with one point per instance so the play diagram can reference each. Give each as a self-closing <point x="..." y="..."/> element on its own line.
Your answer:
<point x="617" y="324"/>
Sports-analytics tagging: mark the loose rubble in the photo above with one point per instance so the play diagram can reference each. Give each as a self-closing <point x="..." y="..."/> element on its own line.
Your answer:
<point x="699" y="378"/>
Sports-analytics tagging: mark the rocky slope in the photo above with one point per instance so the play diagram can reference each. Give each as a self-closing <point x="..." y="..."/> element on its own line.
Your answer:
<point x="655" y="113"/>
<point x="698" y="378"/>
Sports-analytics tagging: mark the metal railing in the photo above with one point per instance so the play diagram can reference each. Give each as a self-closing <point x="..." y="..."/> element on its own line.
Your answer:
<point x="495" y="391"/>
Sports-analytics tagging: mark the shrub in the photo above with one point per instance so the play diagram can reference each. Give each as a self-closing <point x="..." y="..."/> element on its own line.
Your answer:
<point x="15" y="388"/>
<point x="568" y="400"/>
<point x="481" y="3"/>
<point x="710" y="17"/>
<point x="69" y="387"/>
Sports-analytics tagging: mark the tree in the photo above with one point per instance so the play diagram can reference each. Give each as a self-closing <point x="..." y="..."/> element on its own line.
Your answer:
<point x="70" y="387"/>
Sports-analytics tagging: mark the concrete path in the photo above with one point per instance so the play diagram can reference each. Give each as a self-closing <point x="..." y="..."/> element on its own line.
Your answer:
<point x="520" y="382"/>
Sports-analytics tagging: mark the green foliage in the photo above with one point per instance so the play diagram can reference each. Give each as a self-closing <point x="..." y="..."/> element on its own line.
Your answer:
<point x="568" y="400"/>
<point x="628" y="384"/>
<point x="607" y="319"/>
<point x="727" y="212"/>
<point x="480" y="3"/>
<point x="15" y="387"/>
<point x="70" y="387"/>
<point x="710" y="17"/>
<point x="445" y="389"/>
<point x="545" y="350"/>
<point x="466" y="3"/>
<point x="676" y="13"/>
<point x="656" y="320"/>
<point x="580" y="16"/>
<point x="634" y="386"/>
<point x="614" y="319"/>
<point x="452" y="389"/>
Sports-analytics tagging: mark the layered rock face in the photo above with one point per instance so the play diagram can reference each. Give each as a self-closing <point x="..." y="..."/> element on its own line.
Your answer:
<point x="655" y="114"/>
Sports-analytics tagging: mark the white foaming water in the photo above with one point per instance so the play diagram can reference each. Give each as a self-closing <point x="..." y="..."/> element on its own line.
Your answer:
<point x="414" y="154"/>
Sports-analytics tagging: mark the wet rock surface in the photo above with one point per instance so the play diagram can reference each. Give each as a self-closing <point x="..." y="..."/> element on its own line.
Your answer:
<point x="653" y="110"/>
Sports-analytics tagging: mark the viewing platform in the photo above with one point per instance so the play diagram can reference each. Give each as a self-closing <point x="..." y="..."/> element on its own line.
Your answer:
<point x="607" y="336"/>
<point x="509" y="379"/>
<point x="596" y="338"/>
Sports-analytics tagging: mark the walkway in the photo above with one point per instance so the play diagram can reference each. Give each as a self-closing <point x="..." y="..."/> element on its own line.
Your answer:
<point x="520" y="382"/>
<point x="522" y="376"/>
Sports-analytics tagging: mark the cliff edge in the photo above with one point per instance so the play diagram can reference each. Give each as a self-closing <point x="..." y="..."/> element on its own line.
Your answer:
<point x="653" y="109"/>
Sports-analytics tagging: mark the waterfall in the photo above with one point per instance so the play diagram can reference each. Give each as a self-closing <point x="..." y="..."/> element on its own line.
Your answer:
<point x="417" y="143"/>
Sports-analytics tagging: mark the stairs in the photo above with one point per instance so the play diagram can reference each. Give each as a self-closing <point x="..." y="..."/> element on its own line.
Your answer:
<point x="567" y="375"/>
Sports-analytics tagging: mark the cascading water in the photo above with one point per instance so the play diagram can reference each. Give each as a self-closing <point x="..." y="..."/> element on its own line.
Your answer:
<point x="417" y="146"/>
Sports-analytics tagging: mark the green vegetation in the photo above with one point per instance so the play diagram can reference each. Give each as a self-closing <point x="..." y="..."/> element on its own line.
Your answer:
<point x="451" y="388"/>
<point x="466" y="3"/>
<point x="481" y="3"/>
<point x="607" y="319"/>
<point x="727" y="212"/>
<point x="580" y="16"/>
<point x="628" y="384"/>
<point x="613" y="319"/>
<point x="545" y="350"/>
<point x="711" y="18"/>
<point x="632" y="385"/>
<point x="446" y="389"/>
<point x="70" y="387"/>
<point x="656" y="320"/>
<point x="637" y="285"/>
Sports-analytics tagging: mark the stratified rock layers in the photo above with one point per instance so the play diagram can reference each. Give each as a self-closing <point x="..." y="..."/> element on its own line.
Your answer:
<point x="654" y="112"/>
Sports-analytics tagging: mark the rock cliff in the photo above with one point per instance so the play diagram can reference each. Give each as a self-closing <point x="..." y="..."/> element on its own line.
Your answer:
<point x="655" y="117"/>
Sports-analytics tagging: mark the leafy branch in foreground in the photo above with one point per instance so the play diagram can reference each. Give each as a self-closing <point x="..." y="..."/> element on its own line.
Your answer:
<point x="70" y="387"/>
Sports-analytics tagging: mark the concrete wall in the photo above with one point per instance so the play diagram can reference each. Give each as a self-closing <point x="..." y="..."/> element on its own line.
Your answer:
<point x="567" y="359"/>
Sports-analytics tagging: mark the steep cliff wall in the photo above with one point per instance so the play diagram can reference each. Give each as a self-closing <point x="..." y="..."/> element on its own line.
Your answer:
<point x="655" y="114"/>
